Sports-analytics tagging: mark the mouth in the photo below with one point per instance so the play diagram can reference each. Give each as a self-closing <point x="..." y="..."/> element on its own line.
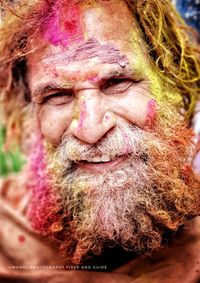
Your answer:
<point x="100" y="164"/>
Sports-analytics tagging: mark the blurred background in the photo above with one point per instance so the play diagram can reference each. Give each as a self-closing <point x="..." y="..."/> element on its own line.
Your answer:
<point x="10" y="160"/>
<point x="190" y="11"/>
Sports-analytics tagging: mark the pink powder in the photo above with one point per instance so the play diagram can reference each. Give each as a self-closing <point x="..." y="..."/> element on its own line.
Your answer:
<point x="21" y="238"/>
<point x="93" y="79"/>
<point x="55" y="73"/>
<point x="127" y="146"/>
<point x="43" y="207"/>
<point x="63" y="25"/>
<point x="82" y="115"/>
<point x="151" y="113"/>
<point x="106" y="53"/>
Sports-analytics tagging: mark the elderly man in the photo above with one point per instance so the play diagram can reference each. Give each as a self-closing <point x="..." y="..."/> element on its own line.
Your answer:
<point x="100" y="95"/>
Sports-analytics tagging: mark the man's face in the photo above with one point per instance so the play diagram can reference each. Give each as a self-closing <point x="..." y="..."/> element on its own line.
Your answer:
<point x="110" y="134"/>
<point x="85" y="83"/>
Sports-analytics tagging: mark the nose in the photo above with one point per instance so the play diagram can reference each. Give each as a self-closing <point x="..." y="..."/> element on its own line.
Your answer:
<point x="94" y="120"/>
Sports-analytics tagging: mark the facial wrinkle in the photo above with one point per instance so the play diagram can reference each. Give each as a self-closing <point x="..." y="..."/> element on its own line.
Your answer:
<point x="107" y="53"/>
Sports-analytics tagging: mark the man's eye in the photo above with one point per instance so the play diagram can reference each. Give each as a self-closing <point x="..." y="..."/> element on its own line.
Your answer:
<point x="116" y="85"/>
<point x="59" y="98"/>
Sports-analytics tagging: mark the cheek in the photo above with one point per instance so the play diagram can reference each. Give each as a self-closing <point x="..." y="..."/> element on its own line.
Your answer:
<point x="136" y="106"/>
<point x="54" y="122"/>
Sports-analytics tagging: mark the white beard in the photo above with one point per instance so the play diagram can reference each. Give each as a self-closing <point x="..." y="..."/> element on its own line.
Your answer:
<point x="130" y="206"/>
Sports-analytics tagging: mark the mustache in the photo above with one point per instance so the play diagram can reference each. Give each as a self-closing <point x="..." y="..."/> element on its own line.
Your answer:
<point x="125" y="139"/>
<point x="130" y="205"/>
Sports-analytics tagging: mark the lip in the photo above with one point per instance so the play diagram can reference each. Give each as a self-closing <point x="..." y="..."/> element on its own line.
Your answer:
<point x="102" y="166"/>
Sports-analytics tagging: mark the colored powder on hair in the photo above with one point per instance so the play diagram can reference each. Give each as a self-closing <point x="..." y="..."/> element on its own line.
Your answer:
<point x="43" y="206"/>
<point x="64" y="24"/>
<point x="93" y="79"/>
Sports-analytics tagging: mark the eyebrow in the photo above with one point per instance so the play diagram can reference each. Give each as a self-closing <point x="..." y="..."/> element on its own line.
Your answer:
<point x="46" y="87"/>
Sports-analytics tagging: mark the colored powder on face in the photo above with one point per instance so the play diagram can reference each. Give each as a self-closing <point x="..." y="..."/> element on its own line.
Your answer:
<point x="93" y="79"/>
<point x="82" y="115"/>
<point x="21" y="238"/>
<point x="106" y="53"/>
<point x="55" y="73"/>
<point x="43" y="206"/>
<point x="151" y="113"/>
<point x="64" y="25"/>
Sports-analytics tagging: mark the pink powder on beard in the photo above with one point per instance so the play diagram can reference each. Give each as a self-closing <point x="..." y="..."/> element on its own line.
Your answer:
<point x="151" y="113"/>
<point x="127" y="146"/>
<point x="63" y="25"/>
<point x="43" y="207"/>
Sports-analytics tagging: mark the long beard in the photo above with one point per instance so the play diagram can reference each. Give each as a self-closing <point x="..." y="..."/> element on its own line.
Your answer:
<point x="132" y="206"/>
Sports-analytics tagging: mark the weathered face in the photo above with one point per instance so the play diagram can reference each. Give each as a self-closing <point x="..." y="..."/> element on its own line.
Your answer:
<point x="83" y="84"/>
<point x="113" y="162"/>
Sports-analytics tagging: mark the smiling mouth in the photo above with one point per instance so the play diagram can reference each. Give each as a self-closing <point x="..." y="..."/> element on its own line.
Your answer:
<point x="99" y="164"/>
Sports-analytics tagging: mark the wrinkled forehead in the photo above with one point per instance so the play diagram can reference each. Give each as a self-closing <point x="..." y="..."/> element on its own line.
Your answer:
<point x="81" y="30"/>
<point x="83" y="37"/>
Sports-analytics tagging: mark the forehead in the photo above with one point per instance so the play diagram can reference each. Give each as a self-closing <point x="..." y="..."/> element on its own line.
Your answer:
<point x="105" y="30"/>
<point x="72" y="23"/>
<point x="73" y="20"/>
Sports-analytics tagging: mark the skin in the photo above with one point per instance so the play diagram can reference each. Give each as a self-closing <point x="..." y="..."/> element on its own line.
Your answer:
<point x="76" y="95"/>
